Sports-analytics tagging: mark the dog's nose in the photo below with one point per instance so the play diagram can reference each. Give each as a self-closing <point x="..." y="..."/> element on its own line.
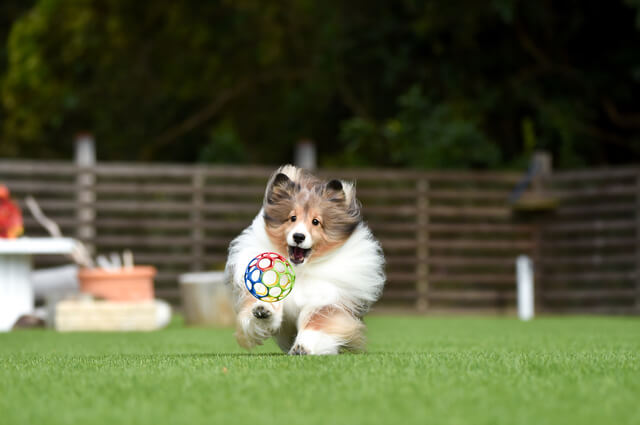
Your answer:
<point x="298" y="237"/>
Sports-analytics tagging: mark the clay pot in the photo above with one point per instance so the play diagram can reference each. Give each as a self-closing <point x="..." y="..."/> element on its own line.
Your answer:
<point x="134" y="284"/>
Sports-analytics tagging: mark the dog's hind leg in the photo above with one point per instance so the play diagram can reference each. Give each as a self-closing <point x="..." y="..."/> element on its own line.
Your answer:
<point x="328" y="330"/>
<point x="257" y="321"/>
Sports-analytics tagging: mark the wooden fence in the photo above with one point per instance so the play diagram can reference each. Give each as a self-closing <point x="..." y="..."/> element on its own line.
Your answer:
<point x="590" y="248"/>
<point x="450" y="238"/>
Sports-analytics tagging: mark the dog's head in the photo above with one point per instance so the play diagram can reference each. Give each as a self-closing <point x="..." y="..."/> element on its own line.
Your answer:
<point x="305" y="216"/>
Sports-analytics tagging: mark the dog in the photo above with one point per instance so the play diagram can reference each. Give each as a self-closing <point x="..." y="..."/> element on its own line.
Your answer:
<point x="339" y="266"/>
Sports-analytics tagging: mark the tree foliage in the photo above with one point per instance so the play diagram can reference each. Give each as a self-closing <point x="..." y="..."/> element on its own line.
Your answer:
<point x="424" y="84"/>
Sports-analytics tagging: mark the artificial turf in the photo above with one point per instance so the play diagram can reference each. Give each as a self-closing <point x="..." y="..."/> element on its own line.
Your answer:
<point x="417" y="371"/>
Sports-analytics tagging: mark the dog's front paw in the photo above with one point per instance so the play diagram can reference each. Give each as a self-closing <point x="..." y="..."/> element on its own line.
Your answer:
<point x="261" y="312"/>
<point x="259" y="322"/>
<point x="298" y="350"/>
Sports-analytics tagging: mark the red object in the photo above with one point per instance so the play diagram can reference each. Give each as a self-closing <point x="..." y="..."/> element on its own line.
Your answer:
<point x="134" y="284"/>
<point x="10" y="216"/>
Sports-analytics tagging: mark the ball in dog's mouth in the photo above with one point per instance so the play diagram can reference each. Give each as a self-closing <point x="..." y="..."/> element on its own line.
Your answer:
<point x="297" y="255"/>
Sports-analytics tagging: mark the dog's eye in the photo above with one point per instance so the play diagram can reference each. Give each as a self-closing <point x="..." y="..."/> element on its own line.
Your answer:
<point x="294" y="218"/>
<point x="315" y="222"/>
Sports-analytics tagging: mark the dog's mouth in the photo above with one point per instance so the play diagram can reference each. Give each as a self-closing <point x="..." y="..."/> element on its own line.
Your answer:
<point x="297" y="255"/>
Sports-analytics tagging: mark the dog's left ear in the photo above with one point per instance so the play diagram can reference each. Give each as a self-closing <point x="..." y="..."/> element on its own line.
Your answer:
<point x="278" y="189"/>
<point x="335" y="191"/>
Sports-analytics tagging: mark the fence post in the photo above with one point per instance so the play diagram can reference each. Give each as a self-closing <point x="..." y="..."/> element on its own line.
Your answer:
<point x="638" y="243"/>
<point x="422" y="254"/>
<point x="541" y="183"/>
<point x="197" y="231"/>
<point x="85" y="160"/>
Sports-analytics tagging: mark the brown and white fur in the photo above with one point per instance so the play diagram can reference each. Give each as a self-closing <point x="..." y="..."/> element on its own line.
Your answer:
<point x="339" y="266"/>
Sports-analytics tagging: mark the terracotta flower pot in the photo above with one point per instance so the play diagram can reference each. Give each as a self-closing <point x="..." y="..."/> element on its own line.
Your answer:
<point x="135" y="284"/>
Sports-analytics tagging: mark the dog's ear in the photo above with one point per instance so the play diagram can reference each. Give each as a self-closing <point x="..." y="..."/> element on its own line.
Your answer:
<point x="341" y="222"/>
<point x="343" y="192"/>
<point x="335" y="185"/>
<point x="278" y="199"/>
<point x="335" y="191"/>
<point x="280" y="179"/>
<point x="279" y="188"/>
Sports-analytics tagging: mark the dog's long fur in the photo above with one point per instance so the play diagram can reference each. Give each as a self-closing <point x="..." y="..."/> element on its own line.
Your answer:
<point x="340" y="276"/>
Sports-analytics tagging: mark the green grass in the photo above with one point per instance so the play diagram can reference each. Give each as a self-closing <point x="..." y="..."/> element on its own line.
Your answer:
<point x="417" y="371"/>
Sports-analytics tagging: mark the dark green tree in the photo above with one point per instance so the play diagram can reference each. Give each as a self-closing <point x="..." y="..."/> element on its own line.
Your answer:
<point x="395" y="83"/>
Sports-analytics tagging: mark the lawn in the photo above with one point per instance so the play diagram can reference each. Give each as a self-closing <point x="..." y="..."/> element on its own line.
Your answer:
<point x="417" y="371"/>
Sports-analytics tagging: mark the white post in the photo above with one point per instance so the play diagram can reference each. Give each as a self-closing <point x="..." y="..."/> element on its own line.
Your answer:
<point x="305" y="155"/>
<point x="85" y="159"/>
<point x="524" y="270"/>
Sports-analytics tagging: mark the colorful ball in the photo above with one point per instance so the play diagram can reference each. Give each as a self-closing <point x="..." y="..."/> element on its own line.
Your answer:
<point x="269" y="277"/>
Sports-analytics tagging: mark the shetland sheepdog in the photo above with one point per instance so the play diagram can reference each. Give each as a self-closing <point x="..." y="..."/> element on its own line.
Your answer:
<point x="339" y="266"/>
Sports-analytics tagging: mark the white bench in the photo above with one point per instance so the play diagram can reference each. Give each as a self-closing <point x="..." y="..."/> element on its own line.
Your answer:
<point x="16" y="291"/>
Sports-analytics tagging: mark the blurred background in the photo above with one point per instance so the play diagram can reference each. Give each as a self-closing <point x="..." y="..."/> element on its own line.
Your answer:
<point x="421" y="84"/>
<point x="151" y="128"/>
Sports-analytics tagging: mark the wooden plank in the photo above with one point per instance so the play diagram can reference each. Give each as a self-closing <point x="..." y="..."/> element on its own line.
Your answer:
<point x="395" y="210"/>
<point x="173" y="206"/>
<point x="143" y="188"/>
<point x="482" y="244"/>
<point x="143" y="206"/>
<point x="506" y="178"/>
<point x="397" y="260"/>
<point x="491" y="228"/>
<point x="388" y="243"/>
<point x="605" y="276"/>
<point x="62" y="221"/>
<point x="400" y="294"/>
<point x="169" y="294"/>
<point x="142" y="240"/>
<point x="178" y="188"/>
<point x="439" y="309"/>
<point x="51" y="204"/>
<point x="508" y="278"/>
<point x="31" y="168"/>
<point x="601" y="294"/>
<point x="155" y="258"/>
<point x="402" y="277"/>
<point x="386" y="193"/>
<point x="170" y="276"/>
<point x="595" y="174"/>
<point x="232" y="207"/>
<point x="466" y="194"/>
<point x="598" y="210"/>
<point x="466" y="211"/>
<point x="43" y="186"/>
<point x="595" y="242"/>
<point x="173" y="170"/>
<point x="473" y="295"/>
<point x="146" y="223"/>
<point x="505" y="261"/>
<point x="589" y="259"/>
<point x="235" y="189"/>
<point x="389" y="226"/>
<point x="598" y="310"/>
<point x="591" y="192"/>
<point x="590" y="225"/>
